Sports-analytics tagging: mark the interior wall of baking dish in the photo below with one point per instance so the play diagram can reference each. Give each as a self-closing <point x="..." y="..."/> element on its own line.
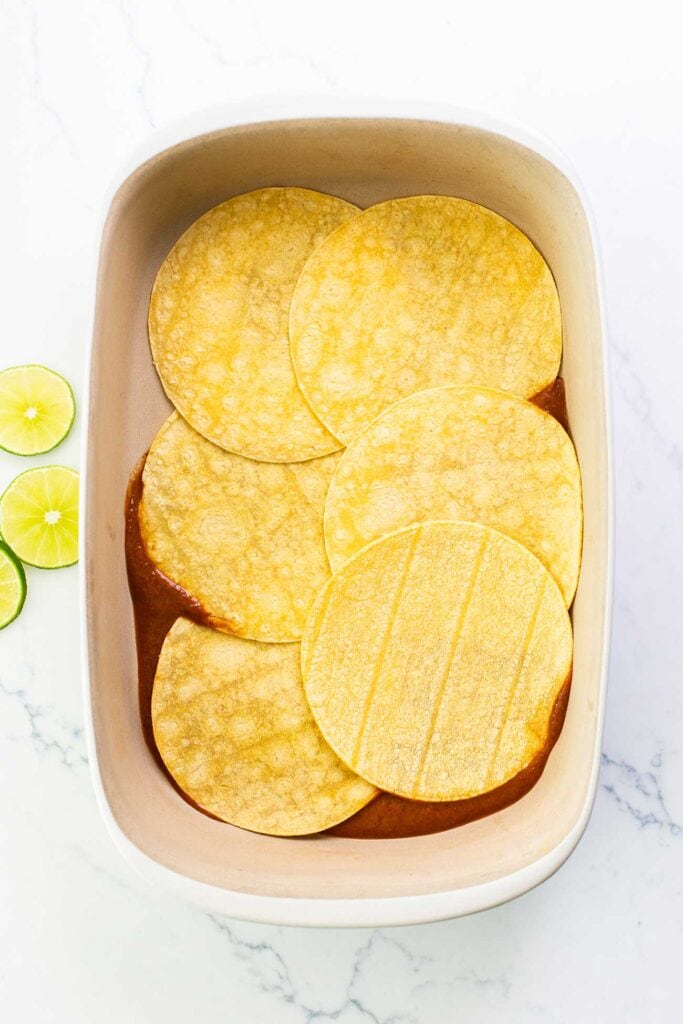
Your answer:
<point x="364" y="161"/>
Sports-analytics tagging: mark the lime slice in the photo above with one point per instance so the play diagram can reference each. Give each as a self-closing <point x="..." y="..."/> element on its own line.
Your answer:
<point x="39" y="516"/>
<point x="12" y="586"/>
<point x="37" y="409"/>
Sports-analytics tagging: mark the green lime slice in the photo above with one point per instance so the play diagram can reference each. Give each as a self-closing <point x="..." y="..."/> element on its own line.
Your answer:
<point x="37" y="409"/>
<point x="39" y="516"/>
<point x="12" y="586"/>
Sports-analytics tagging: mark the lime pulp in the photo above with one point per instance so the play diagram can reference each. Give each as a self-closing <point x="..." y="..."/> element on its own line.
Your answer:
<point x="37" y="409"/>
<point x="39" y="516"/>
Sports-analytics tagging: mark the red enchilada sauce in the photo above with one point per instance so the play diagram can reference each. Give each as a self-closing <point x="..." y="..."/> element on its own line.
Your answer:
<point x="158" y="602"/>
<point x="554" y="400"/>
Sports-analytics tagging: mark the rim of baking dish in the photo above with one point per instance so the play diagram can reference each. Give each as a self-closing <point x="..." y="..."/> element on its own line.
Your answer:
<point x="367" y="911"/>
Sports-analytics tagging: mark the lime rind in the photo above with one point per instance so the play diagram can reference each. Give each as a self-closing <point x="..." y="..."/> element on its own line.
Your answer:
<point x="12" y="586"/>
<point x="52" y="398"/>
<point x="26" y="510"/>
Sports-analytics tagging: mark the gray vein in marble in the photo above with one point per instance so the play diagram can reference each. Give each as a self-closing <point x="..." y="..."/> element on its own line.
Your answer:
<point x="98" y="869"/>
<point x="271" y="969"/>
<point x="631" y="385"/>
<point x="41" y="721"/>
<point x="264" y="59"/>
<point x="33" y="820"/>
<point x="499" y="984"/>
<point x="38" y="85"/>
<point x="273" y="976"/>
<point x="210" y="41"/>
<point x="144" y="53"/>
<point x="293" y="58"/>
<point x="639" y="793"/>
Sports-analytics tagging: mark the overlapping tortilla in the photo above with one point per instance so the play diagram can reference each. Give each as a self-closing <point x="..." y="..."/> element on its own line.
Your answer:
<point x="461" y="452"/>
<point x="233" y="728"/>
<point x="243" y="537"/>
<point x="218" y="322"/>
<point x="415" y="293"/>
<point x="466" y="643"/>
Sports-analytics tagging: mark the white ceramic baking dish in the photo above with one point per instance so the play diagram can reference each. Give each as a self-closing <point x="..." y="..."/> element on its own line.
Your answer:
<point x="364" y="152"/>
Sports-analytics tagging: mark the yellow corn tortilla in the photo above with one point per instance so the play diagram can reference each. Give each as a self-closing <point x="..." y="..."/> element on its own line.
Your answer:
<point x="218" y="322"/>
<point x="415" y="293"/>
<point x="243" y="537"/>
<point x="461" y="452"/>
<point x="233" y="728"/>
<point x="432" y="660"/>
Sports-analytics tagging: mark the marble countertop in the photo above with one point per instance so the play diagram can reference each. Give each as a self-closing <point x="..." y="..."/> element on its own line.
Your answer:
<point x="82" y="940"/>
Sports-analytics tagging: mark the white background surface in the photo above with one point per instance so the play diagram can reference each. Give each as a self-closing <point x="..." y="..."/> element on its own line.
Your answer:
<point x="81" y="939"/>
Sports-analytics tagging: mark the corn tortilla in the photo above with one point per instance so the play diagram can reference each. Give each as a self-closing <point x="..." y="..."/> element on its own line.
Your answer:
<point x="464" y="645"/>
<point x="233" y="728"/>
<point x="461" y="452"/>
<point x="218" y="322"/>
<point x="244" y="538"/>
<point x="416" y="293"/>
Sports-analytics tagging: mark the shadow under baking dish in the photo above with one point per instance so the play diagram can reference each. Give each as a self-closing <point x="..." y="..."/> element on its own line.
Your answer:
<point x="365" y="160"/>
